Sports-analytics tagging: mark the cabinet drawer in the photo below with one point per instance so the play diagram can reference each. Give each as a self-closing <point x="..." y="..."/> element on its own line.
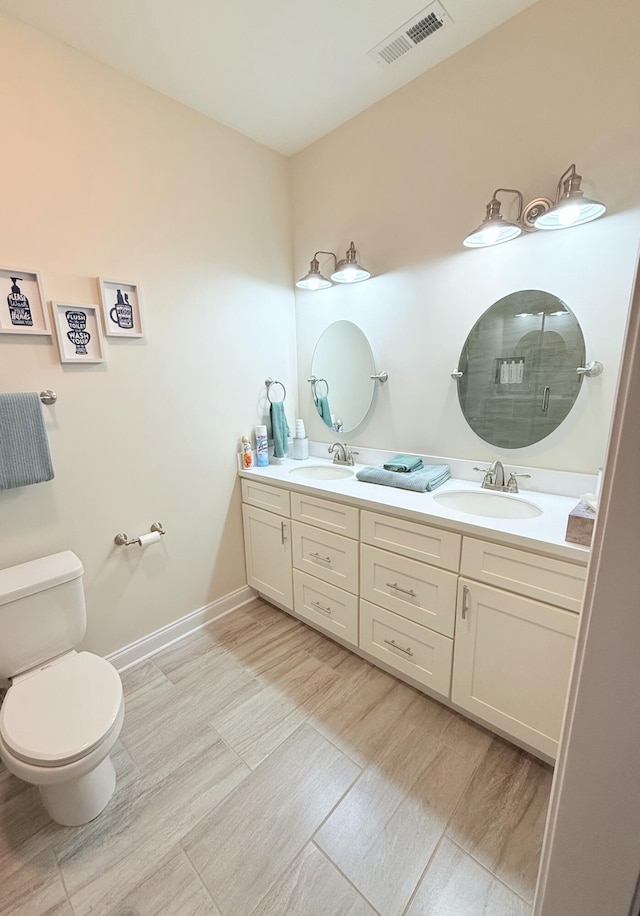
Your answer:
<point x="273" y="499"/>
<point x="416" y="651"/>
<point x="326" y="556"/>
<point x="325" y="514"/>
<point x="422" y="593"/>
<point x="411" y="539"/>
<point x="326" y="606"/>
<point x="552" y="581"/>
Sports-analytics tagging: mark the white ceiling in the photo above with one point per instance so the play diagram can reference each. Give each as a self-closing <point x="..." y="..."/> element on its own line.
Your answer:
<point x="284" y="72"/>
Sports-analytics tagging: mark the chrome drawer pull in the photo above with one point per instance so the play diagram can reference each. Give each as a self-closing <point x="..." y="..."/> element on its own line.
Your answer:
<point x="465" y="602"/>
<point x="283" y="531"/>
<point x="405" y="591"/>
<point x="390" y="642"/>
<point x="325" y="610"/>
<point x="319" y="556"/>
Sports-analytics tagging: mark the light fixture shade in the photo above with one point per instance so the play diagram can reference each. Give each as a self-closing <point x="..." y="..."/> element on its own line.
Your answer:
<point x="492" y="232"/>
<point x="348" y="270"/>
<point x="571" y="208"/>
<point x="493" y="229"/>
<point x="571" y="212"/>
<point x="314" y="279"/>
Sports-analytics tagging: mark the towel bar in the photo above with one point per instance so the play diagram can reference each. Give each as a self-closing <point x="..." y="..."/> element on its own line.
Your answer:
<point x="48" y="396"/>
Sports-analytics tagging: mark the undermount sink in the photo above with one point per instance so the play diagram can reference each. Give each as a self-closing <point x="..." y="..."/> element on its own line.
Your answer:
<point x="488" y="504"/>
<point x="322" y="472"/>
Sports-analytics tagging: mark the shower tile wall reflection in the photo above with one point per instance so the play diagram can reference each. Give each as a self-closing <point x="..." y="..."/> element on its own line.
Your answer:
<point x="519" y="369"/>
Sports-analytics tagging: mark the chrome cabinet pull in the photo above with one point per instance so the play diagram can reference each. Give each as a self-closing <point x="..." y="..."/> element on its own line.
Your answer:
<point x="405" y="591"/>
<point x="325" y="610"/>
<point x="391" y="642"/>
<point x="319" y="556"/>
<point x="283" y="530"/>
<point x="465" y="602"/>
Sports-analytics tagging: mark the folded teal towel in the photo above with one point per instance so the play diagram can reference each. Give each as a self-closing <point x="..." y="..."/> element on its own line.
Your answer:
<point x="428" y="478"/>
<point x="406" y="464"/>
<point x="279" y="429"/>
<point x="322" y="406"/>
<point x="24" y="446"/>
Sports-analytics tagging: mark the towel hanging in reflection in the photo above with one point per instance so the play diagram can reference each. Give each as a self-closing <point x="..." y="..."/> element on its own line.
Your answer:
<point x="322" y="406"/>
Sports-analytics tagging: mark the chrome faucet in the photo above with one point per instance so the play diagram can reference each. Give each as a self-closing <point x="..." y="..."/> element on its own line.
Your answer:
<point x="494" y="478"/>
<point x="497" y="473"/>
<point x="341" y="455"/>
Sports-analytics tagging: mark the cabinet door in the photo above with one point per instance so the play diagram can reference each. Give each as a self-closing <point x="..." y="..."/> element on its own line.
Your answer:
<point x="512" y="662"/>
<point x="267" y="548"/>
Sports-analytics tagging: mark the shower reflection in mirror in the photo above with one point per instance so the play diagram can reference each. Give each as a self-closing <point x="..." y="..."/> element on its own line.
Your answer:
<point x="519" y="369"/>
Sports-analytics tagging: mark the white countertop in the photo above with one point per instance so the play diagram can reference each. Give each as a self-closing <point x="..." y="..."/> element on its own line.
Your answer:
<point x="544" y="534"/>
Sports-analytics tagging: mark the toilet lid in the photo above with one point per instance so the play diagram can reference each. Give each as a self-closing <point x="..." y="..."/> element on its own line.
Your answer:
<point x="62" y="712"/>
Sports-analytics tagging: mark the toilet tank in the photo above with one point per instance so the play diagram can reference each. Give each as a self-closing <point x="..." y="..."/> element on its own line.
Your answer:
<point x="42" y="611"/>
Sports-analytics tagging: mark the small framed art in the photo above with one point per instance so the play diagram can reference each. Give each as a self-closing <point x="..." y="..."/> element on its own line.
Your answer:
<point x="121" y="308"/>
<point x="22" y="303"/>
<point x="79" y="333"/>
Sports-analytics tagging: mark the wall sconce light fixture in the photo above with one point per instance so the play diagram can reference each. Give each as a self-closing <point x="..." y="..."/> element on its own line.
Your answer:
<point x="347" y="270"/>
<point x="571" y="208"/>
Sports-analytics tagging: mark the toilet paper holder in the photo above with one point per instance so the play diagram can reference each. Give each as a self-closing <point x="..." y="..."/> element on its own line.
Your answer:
<point x="123" y="541"/>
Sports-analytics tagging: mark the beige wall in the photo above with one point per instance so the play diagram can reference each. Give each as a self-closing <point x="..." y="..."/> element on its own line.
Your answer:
<point x="410" y="177"/>
<point x="102" y="177"/>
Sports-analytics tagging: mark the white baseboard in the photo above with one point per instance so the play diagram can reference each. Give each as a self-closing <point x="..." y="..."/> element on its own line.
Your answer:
<point x="173" y="632"/>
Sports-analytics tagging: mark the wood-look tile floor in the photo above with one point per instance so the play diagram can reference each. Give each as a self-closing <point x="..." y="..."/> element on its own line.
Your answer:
<point x="262" y="769"/>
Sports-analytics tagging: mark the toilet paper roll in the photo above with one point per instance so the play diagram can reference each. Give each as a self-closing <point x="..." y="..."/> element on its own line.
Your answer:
<point x="152" y="538"/>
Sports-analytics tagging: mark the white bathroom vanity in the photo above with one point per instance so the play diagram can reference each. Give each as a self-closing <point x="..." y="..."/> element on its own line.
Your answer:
<point x="479" y="611"/>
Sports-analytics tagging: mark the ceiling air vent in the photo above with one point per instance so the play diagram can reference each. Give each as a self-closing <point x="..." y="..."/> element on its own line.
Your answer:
<point x="424" y="24"/>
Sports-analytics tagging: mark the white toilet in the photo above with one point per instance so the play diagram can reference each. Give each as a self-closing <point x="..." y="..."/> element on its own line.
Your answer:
<point x="64" y="709"/>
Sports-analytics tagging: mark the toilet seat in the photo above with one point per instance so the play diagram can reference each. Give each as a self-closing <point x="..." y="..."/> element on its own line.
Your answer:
<point x="62" y="712"/>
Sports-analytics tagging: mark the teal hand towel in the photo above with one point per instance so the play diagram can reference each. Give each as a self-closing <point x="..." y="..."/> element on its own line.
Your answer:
<point x="405" y="464"/>
<point x="279" y="429"/>
<point x="322" y="406"/>
<point x="24" y="446"/>
<point x="428" y="478"/>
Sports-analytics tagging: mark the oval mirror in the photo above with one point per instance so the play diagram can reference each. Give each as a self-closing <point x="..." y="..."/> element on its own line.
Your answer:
<point x="341" y="367"/>
<point x="518" y="365"/>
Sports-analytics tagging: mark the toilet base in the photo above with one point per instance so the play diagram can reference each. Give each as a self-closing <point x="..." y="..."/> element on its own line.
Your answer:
<point x="78" y="801"/>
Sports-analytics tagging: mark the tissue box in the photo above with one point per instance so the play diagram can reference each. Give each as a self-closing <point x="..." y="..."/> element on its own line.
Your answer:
<point x="580" y="525"/>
